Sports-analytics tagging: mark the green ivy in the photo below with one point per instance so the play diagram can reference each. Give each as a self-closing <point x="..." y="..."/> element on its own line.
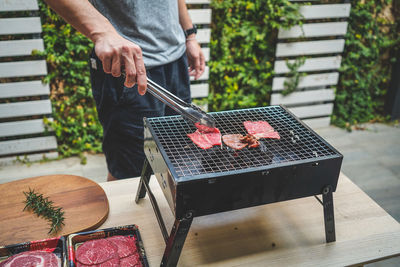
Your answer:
<point x="75" y="118"/>
<point x="294" y="75"/>
<point x="244" y="35"/>
<point x="371" y="42"/>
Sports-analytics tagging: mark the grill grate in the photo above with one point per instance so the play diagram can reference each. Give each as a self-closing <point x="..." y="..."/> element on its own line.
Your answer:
<point x="296" y="143"/>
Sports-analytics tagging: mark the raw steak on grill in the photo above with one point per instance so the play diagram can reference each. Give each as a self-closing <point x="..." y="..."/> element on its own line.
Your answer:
<point x="32" y="258"/>
<point x="132" y="260"/>
<point x="125" y="245"/>
<point x="204" y="128"/>
<point x="96" y="252"/>
<point x="261" y="129"/>
<point x="206" y="137"/>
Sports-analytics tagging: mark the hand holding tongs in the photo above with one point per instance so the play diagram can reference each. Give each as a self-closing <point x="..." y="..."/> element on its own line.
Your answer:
<point x="189" y="111"/>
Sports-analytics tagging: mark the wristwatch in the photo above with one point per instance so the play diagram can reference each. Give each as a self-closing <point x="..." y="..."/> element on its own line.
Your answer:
<point x="190" y="31"/>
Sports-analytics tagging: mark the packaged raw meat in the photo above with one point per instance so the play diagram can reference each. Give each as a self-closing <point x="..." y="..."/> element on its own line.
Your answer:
<point x="112" y="247"/>
<point x="47" y="252"/>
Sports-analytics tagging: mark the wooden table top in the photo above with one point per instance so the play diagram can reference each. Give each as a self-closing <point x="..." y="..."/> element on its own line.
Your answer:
<point x="279" y="234"/>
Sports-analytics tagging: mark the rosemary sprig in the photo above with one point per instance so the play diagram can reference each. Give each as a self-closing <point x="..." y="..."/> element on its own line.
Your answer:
<point x="44" y="207"/>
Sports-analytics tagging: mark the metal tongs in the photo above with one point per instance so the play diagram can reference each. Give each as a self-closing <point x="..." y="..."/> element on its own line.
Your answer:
<point x="188" y="111"/>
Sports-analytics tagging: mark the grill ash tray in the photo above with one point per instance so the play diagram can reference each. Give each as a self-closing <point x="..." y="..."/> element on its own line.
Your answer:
<point x="197" y="182"/>
<point x="55" y="245"/>
<point x="131" y="231"/>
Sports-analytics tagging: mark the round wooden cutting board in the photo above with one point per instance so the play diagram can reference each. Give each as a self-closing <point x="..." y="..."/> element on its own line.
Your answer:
<point x="84" y="202"/>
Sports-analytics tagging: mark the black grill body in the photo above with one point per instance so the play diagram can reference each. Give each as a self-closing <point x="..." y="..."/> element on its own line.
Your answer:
<point x="209" y="188"/>
<point x="251" y="189"/>
<point x="198" y="182"/>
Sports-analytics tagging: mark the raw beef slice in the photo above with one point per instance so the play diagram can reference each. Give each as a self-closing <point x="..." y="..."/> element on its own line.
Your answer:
<point x="126" y="245"/>
<point x="96" y="252"/>
<point x="260" y="129"/>
<point x="32" y="258"/>
<point x="204" y="128"/>
<point x="207" y="139"/>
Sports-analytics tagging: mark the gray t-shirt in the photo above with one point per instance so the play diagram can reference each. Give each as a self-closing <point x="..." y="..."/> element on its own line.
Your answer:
<point x="151" y="24"/>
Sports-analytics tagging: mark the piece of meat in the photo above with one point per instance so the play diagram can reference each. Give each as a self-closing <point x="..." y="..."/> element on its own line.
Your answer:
<point x="126" y="245"/>
<point x="273" y="135"/>
<point x="238" y="141"/>
<point x="96" y="252"/>
<point x="206" y="140"/>
<point x="32" y="259"/>
<point x="260" y="129"/>
<point x="234" y="141"/>
<point x="132" y="260"/>
<point x="114" y="262"/>
<point x="78" y="264"/>
<point x="205" y="129"/>
<point x="251" y="141"/>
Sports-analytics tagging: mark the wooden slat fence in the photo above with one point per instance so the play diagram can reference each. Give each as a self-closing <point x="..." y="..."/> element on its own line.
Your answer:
<point x="321" y="40"/>
<point x="200" y="13"/>
<point x="24" y="98"/>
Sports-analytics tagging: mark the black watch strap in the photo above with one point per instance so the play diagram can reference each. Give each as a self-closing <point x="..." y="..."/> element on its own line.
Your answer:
<point x="190" y="31"/>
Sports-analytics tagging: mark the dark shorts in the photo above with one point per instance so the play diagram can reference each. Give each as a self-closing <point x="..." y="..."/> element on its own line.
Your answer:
<point x="121" y="111"/>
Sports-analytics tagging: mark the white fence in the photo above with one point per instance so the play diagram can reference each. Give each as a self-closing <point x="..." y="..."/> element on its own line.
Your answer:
<point x="24" y="103"/>
<point x="322" y="43"/>
<point x="201" y="16"/>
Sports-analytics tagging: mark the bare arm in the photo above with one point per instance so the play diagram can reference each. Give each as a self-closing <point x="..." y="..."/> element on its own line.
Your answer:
<point x="111" y="48"/>
<point x="193" y="50"/>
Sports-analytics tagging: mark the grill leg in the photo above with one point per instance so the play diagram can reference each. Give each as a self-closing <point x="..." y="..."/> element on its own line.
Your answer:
<point x="327" y="202"/>
<point x="176" y="240"/>
<point x="144" y="178"/>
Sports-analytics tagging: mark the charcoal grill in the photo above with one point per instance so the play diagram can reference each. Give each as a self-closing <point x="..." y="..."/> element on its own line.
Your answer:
<point x="198" y="182"/>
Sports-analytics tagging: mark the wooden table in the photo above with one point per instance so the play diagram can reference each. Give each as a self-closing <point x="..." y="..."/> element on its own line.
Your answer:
<point x="279" y="234"/>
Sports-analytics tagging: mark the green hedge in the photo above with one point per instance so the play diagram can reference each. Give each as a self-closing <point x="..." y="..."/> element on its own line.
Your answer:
<point x="371" y="43"/>
<point x="243" y="46"/>
<point x="241" y="67"/>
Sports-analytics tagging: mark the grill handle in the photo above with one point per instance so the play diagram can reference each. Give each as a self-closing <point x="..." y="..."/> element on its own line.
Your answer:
<point x="189" y="111"/>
